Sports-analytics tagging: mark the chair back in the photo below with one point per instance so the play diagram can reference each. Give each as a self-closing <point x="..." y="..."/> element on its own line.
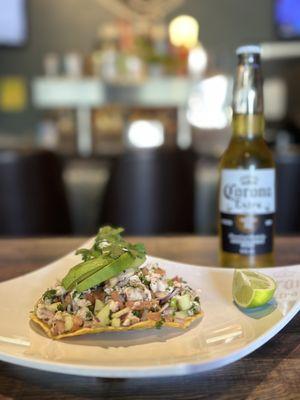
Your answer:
<point x="32" y="196"/>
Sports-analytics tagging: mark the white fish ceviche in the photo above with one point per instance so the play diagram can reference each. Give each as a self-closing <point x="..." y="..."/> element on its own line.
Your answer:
<point x="114" y="289"/>
<point x="132" y="297"/>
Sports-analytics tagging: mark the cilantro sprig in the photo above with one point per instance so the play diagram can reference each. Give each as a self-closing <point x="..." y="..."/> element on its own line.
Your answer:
<point x="110" y="243"/>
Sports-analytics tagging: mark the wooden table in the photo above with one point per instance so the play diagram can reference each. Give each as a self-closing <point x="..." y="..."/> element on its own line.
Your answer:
<point x="272" y="372"/>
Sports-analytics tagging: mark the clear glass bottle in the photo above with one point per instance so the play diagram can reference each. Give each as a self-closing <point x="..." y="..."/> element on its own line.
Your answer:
<point x="247" y="174"/>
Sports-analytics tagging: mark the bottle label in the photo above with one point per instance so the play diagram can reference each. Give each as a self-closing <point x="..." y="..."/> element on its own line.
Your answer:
<point x="247" y="207"/>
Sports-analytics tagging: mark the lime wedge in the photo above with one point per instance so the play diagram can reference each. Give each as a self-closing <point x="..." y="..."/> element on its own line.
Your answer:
<point x="252" y="289"/>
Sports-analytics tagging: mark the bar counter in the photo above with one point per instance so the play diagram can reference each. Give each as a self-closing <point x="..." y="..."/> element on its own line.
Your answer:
<point x="271" y="372"/>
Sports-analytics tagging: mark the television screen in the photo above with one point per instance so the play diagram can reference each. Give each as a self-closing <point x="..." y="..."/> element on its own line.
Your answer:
<point x="287" y="17"/>
<point x="13" y="22"/>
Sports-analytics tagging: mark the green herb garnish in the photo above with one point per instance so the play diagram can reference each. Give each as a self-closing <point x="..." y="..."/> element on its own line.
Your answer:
<point x="159" y="324"/>
<point x="144" y="280"/>
<point x="109" y="255"/>
<point x="109" y="243"/>
<point x="137" y="313"/>
<point x="49" y="294"/>
<point x="89" y="315"/>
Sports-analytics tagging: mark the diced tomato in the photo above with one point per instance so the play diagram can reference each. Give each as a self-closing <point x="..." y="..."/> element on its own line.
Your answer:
<point x="177" y="279"/>
<point x="77" y="322"/>
<point x="116" y="297"/>
<point x="154" y="316"/>
<point x="58" y="327"/>
<point x="160" y="271"/>
<point x="99" y="294"/>
<point x="68" y="299"/>
<point x="140" y="305"/>
<point x="90" y="297"/>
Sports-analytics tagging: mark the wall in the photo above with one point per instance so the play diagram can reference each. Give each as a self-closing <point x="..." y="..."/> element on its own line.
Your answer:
<point x="67" y="25"/>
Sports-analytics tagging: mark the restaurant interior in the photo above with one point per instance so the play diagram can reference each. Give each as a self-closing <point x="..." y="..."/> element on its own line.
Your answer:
<point x="119" y="111"/>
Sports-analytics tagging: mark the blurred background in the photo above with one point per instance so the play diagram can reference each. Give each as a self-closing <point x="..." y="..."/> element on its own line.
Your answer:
<point x="118" y="111"/>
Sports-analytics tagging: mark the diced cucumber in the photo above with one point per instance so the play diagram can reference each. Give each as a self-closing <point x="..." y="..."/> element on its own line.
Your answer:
<point x="119" y="314"/>
<point x="184" y="302"/>
<point x="53" y="307"/>
<point x="68" y="322"/>
<point x="98" y="306"/>
<point x="173" y="303"/>
<point x="103" y="316"/>
<point x="181" y="314"/>
<point x="116" y="322"/>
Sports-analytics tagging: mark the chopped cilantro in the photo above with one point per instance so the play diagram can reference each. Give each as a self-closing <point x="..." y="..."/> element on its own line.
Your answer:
<point x="89" y="315"/>
<point x="137" y="313"/>
<point x="60" y="307"/>
<point x="87" y="254"/>
<point x="144" y="280"/>
<point x="109" y="243"/>
<point x="49" y="294"/>
<point x="158" y="324"/>
<point x="170" y="282"/>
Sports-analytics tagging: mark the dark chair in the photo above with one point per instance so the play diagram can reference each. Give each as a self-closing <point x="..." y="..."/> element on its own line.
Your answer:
<point x="151" y="192"/>
<point x="32" y="197"/>
<point x="288" y="192"/>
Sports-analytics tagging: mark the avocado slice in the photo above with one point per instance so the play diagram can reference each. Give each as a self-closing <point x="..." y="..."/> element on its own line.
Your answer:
<point x="84" y="270"/>
<point x="122" y="263"/>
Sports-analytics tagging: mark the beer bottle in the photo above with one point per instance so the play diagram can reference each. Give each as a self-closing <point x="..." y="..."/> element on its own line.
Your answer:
<point x="247" y="174"/>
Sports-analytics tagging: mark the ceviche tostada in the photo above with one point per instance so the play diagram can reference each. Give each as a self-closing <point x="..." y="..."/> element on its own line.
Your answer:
<point x="115" y="289"/>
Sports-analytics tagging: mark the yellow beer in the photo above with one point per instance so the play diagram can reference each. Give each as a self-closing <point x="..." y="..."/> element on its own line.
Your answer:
<point x="247" y="174"/>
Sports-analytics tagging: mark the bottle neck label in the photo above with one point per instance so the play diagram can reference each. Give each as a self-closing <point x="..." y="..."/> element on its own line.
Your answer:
<point x="250" y="191"/>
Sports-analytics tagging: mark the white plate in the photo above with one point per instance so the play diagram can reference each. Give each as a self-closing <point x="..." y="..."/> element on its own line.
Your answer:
<point x="224" y="335"/>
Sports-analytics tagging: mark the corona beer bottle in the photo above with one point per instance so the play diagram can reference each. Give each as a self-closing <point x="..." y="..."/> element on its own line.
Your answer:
<point x="247" y="174"/>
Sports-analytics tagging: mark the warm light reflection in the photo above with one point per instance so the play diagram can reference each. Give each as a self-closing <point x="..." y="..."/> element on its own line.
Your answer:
<point x="145" y="134"/>
<point x="183" y="31"/>
<point x="197" y="61"/>
<point x="207" y="106"/>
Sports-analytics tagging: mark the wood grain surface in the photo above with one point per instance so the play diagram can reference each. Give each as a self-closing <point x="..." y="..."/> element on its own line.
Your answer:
<point x="271" y="372"/>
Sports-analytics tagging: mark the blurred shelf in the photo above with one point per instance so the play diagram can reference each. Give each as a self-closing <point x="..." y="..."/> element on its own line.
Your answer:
<point x="64" y="92"/>
<point x="58" y="92"/>
<point x="280" y="50"/>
